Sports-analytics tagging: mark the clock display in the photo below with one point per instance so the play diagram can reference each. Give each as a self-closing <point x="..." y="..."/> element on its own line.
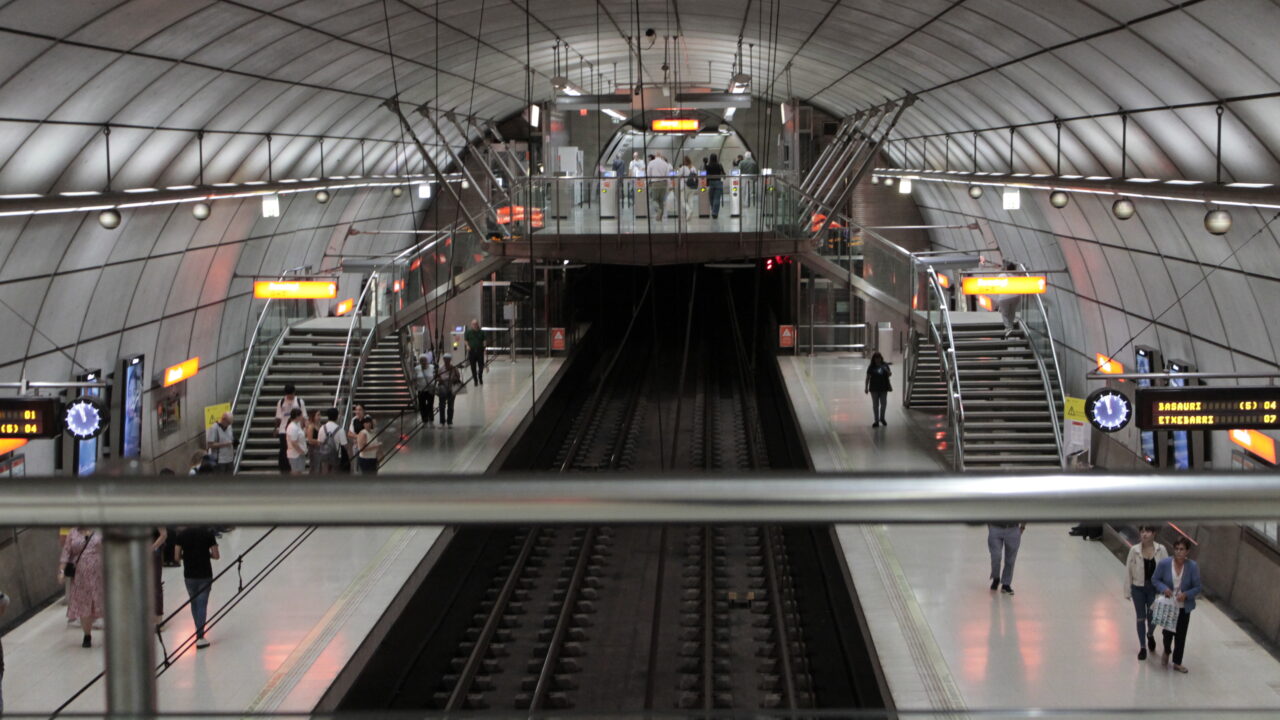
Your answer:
<point x="1108" y="410"/>
<point x="85" y="417"/>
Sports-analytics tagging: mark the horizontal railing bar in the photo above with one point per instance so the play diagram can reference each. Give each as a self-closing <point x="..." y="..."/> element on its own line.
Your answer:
<point x="534" y="498"/>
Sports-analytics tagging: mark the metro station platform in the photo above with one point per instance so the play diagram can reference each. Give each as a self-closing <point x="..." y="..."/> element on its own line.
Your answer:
<point x="313" y="596"/>
<point x="1065" y="640"/>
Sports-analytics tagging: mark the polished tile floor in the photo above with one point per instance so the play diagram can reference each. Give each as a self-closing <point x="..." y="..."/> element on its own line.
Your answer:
<point x="1066" y="640"/>
<point x="281" y="644"/>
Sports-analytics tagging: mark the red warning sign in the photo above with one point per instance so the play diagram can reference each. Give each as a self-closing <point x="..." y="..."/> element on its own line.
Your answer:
<point x="786" y="336"/>
<point x="557" y="338"/>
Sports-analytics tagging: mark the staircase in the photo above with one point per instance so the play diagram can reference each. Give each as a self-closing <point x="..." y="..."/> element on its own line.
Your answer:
<point x="1007" y="424"/>
<point x="928" y="389"/>
<point x="384" y="389"/>
<point x="309" y="357"/>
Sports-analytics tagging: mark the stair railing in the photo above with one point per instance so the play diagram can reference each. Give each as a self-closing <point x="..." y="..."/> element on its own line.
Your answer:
<point x="1039" y="332"/>
<point x="944" y="339"/>
<point x="253" y="399"/>
<point x="913" y="365"/>
<point x="261" y="327"/>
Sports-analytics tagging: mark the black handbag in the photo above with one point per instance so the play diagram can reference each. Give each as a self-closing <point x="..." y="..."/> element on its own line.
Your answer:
<point x="69" y="569"/>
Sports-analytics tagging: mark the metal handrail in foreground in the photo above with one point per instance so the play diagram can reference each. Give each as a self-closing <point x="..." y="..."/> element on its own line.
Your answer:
<point x="944" y="339"/>
<point x="104" y="501"/>
<point x="1058" y="420"/>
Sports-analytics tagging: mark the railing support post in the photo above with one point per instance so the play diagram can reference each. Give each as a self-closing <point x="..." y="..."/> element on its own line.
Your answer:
<point x="130" y="626"/>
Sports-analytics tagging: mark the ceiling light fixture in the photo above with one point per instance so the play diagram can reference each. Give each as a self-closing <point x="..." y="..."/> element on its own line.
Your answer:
<point x="1012" y="199"/>
<point x="1123" y="209"/>
<point x="270" y="206"/>
<point x="1217" y="222"/>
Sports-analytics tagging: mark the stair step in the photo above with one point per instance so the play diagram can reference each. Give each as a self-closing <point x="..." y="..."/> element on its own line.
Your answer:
<point x="1010" y="458"/>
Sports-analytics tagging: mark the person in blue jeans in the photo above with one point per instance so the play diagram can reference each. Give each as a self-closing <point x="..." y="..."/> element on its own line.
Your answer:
<point x="1138" y="570"/>
<point x="198" y="548"/>
<point x="1178" y="578"/>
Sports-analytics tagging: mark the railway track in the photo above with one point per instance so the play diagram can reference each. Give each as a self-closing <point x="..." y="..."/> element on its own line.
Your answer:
<point x="624" y="618"/>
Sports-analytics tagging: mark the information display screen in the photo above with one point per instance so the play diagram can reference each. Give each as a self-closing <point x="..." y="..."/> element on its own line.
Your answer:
<point x="30" y="418"/>
<point x="87" y="450"/>
<point x="1142" y="364"/>
<point x="1208" y="408"/>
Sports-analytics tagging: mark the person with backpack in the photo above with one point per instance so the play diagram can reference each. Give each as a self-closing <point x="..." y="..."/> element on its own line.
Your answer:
<point x="448" y="380"/>
<point x="715" y="184"/>
<point x="688" y="191"/>
<point x="333" y="441"/>
<point x="284" y="407"/>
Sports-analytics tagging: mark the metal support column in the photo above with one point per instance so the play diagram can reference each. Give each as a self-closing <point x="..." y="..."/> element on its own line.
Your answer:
<point x="484" y="163"/>
<point x="130" y="625"/>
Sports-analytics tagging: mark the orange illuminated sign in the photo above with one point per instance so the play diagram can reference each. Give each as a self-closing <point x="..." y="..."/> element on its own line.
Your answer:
<point x="8" y="445"/>
<point x="676" y="125"/>
<point x="1107" y="366"/>
<point x="183" y="370"/>
<point x="1016" y="285"/>
<point x="295" y="289"/>
<point x="344" y="307"/>
<point x="985" y="303"/>
<point x="1257" y="443"/>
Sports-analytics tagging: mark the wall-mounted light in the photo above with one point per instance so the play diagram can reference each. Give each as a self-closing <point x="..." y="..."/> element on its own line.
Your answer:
<point x="888" y="181"/>
<point x="201" y="211"/>
<point x="975" y="191"/>
<point x="322" y="196"/>
<point x="535" y="116"/>
<point x="619" y="117"/>
<point x="396" y="191"/>
<point x="270" y="206"/>
<point x="344" y="307"/>
<point x="875" y="179"/>
<point x="1059" y="199"/>
<point x="109" y="219"/>
<point x="564" y="85"/>
<point x="1011" y="198"/>
<point x="1108" y="366"/>
<point x="904" y="187"/>
<point x="182" y="371"/>
<point x="424" y="191"/>
<point x="985" y="303"/>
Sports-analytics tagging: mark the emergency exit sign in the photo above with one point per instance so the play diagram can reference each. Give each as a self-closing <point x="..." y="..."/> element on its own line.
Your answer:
<point x="786" y="336"/>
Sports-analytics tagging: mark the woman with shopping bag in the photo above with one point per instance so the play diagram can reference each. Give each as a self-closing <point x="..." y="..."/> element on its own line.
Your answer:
<point x="1178" y="580"/>
<point x="1139" y="568"/>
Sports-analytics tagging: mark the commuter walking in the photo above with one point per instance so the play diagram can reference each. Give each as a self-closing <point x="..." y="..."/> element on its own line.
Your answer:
<point x="688" y="190"/>
<point x="221" y="443"/>
<point x="448" y="380"/>
<point x="878" y="386"/>
<point x="658" y="171"/>
<point x="1178" y="578"/>
<point x="367" y="447"/>
<point x="474" y="338"/>
<point x="1009" y="305"/>
<point x="1004" y="538"/>
<point x="81" y="561"/>
<point x="424" y="376"/>
<point x="1139" y="569"/>
<point x="635" y="169"/>
<point x="296" y="439"/>
<point x="198" y="548"/>
<point x="333" y="442"/>
<point x="749" y="168"/>
<point x="715" y="184"/>
<point x="4" y="608"/>
<point x="284" y="406"/>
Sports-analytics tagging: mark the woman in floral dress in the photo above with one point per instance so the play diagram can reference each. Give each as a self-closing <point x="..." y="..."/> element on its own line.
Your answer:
<point x="86" y="595"/>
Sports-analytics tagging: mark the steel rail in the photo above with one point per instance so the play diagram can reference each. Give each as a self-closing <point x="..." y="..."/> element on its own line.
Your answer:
<point x="779" y="614"/>
<point x="103" y="500"/>
<point x="246" y="426"/>
<point x="545" y="677"/>
<point x="480" y="650"/>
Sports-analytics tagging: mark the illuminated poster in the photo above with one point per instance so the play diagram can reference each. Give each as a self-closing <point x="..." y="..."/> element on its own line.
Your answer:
<point x="1142" y="364"/>
<point x="131" y="424"/>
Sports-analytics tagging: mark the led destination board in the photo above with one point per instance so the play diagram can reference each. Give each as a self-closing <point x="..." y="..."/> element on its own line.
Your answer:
<point x="30" y="418"/>
<point x="1208" y="408"/>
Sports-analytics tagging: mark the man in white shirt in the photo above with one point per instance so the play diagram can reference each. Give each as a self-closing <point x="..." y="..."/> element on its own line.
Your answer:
<point x="636" y="170"/>
<point x="331" y="450"/>
<point x="424" y="378"/>
<point x="284" y="407"/>
<point x="220" y="442"/>
<point x="659" y="169"/>
<point x="296" y="443"/>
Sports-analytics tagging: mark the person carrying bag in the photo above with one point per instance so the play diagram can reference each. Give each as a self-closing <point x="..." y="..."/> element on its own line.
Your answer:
<point x="69" y="569"/>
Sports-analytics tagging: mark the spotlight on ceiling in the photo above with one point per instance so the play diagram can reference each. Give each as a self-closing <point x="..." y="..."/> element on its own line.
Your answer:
<point x="1217" y="222"/>
<point x="975" y="191"/>
<point x="109" y="219"/>
<point x="396" y="191"/>
<point x="875" y="179"/>
<point x="1123" y="209"/>
<point x="565" y="86"/>
<point x="201" y="211"/>
<point x="322" y="196"/>
<point x="888" y="181"/>
<point x="1011" y="199"/>
<point x="1059" y="199"/>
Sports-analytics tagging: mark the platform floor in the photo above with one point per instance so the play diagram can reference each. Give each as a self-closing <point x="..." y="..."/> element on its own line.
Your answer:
<point x="1066" y="640"/>
<point x="282" y="644"/>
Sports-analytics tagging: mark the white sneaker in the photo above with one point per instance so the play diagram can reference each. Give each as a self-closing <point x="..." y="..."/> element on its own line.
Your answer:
<point x="202" y="643"/>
